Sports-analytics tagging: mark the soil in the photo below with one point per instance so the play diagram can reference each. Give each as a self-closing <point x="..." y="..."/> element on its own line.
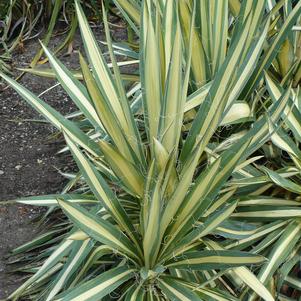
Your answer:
<point x="27" y="162"/>
<point x="28" y="159"/>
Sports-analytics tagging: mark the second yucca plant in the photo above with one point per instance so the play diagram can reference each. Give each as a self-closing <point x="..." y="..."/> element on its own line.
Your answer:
<point x="157" y="189"/>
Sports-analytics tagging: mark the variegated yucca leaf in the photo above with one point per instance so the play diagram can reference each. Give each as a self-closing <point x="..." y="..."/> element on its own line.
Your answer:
<point x="171" y="201"/>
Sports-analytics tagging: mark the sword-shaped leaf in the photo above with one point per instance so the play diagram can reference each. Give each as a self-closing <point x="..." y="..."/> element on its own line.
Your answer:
<point x="51" y="199"/>
<point x="291" y="115"/>
<point x="102" y="190"/>
<point x="100" y="286"/>
<point x="75" y="90"/>
<point x="104" y="80"/>
<point x="176" y="291"/>
<point x="273" y="48"/>
<point x="212" y="259"/>
<point x="72" y="266"/>
<point x="100" y="229"/>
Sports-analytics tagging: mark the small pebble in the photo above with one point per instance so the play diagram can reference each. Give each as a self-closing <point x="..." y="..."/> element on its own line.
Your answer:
<point x="1" y="172"/>
<point x="17" y="167"/>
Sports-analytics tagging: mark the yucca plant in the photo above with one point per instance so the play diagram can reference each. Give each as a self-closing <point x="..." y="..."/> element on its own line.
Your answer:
<point x="268" y="201"/>
<point x="166" y="200"/>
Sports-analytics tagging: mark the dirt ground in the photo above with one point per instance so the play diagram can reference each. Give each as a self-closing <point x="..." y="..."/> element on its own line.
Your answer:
<point x="28" y="159"/>
<point x="27" y="162"/>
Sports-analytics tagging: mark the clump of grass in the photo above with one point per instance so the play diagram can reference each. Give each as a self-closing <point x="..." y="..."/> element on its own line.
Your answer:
<point x="24" y="20"/>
